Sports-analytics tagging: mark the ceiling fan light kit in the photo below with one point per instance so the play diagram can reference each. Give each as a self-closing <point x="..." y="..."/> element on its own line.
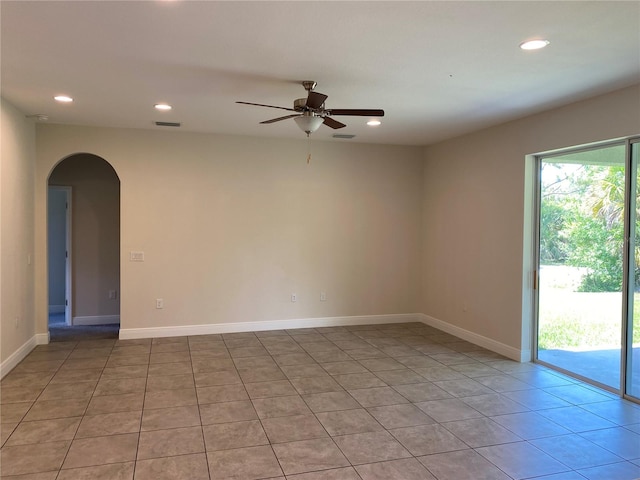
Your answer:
<point x="311" y="111"/>
<point x="309" y="123"/>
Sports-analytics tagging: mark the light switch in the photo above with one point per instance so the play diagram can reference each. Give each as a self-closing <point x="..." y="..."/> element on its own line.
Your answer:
<point x="136" y="256"/>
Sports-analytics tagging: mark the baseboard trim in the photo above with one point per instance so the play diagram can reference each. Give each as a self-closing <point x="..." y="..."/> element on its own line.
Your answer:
<point x="43" y="338"/>
<point x="56" y="308"/>
<point x="16" y="357"/>
<point x="217" y="328"/>
<point x="96" y="320"/>
<point x="485" y="342"/>
<point x="214" y="328"/>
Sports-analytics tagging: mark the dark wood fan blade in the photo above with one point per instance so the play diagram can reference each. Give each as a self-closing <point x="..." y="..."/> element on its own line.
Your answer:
<point x="270" y="106"/>
<point x="273" y="120"/>
<point x="315" y="99"/>
<point x="355" y="112"/>
<point x="330" y="122"/>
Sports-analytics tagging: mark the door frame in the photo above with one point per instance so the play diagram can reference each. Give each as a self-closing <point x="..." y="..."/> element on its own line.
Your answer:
<point x="68" y="290"/>
<point x="627" y="296"/>
<point x="631" y="219"/>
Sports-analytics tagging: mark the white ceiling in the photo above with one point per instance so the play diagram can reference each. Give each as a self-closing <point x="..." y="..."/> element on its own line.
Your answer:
<point x="438" y="69"/>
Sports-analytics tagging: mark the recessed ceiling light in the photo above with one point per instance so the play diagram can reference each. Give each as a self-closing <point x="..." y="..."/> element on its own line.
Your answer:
<point x="162" y="106"/>
<point x="373" y="123"/>
<point x="534" y="44"/>
<point x="63" y="98"/>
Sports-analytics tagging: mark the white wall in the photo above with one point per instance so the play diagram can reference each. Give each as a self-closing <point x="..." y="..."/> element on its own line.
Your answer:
<point x="17" y="166"/>
<point x="232" y="226"/>
<point x="475" y="197"/>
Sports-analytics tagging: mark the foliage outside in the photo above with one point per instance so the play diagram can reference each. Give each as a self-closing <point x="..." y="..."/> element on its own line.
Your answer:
<point x="582" y="231"/>
<point x="582" y="222"/>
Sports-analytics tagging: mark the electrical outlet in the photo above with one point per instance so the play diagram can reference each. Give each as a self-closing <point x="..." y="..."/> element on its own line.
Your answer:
<point x="294" y="298"/>
<point x="159" y="303"/>
<point x="323" y="296"/>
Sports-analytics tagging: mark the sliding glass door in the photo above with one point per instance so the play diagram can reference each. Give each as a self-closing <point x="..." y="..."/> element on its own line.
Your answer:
<point x="581" y="228"/>
<point x="632" y="332"/>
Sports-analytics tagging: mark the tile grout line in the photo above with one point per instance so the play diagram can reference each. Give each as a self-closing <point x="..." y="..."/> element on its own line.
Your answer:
<point x="256" y="412"/>
<point x="488" y="416"/>
<point x="144" y="398"/>
<point x="195" y="388"/>
<point x="85" y="409"/>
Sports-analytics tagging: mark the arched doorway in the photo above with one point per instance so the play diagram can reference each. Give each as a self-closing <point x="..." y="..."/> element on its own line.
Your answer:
<point x="83" y="236"/>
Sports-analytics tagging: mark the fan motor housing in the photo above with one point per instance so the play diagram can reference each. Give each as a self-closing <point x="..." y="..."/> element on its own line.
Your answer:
<point x="300" y="104"/>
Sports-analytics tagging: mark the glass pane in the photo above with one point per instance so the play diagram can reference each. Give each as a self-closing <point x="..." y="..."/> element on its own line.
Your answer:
<point x="581" y="263"/>
<point x="633" y="332"/>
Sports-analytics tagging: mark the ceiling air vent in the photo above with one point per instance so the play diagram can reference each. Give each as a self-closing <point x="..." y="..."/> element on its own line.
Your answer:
<point x="168" y="124"/>
<point x="342" y="135"/>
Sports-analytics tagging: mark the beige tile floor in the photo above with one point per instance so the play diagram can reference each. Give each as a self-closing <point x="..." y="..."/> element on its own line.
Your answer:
<point x="376" y="402"/>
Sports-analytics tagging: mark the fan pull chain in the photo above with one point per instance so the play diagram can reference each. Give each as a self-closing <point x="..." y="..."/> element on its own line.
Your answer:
<point x="308" y="149"/>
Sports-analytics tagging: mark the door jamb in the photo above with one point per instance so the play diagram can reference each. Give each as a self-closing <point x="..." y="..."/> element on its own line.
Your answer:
<point x="68" y="291"/>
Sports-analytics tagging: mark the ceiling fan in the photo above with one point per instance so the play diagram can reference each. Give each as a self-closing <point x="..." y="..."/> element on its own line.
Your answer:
<point x="311" y="112"/>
